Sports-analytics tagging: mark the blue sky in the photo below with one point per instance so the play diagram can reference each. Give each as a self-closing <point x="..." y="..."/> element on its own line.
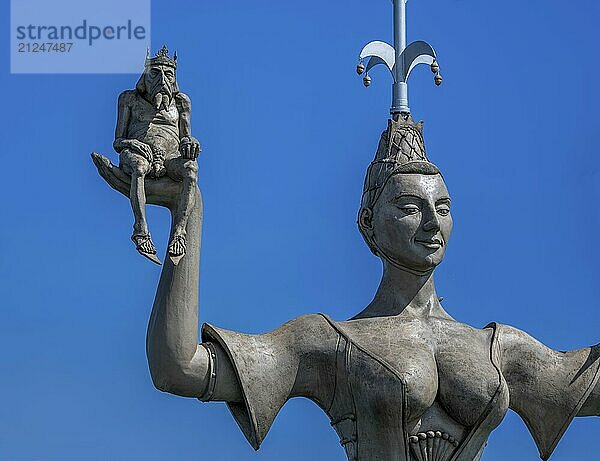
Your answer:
<point x="288" y="130"/>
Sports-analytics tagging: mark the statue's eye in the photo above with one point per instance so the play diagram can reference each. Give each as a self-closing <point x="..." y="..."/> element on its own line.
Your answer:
<point x="410" y="209"/>
<point x="443" y="210"/>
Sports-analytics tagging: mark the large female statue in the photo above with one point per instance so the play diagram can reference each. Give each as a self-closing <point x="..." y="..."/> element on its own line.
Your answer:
<point x="402" y="380"/>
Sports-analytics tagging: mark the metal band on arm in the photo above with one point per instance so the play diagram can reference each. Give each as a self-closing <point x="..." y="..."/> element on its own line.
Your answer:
<point x="209" y="392"/>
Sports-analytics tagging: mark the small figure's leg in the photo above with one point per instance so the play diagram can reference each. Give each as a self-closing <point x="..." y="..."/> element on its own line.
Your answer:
<point x="187" y="171"/>
<point x="138" y="167"/>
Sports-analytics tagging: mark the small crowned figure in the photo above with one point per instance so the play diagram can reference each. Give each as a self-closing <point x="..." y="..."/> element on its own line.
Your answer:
<point x="153" y="138"/>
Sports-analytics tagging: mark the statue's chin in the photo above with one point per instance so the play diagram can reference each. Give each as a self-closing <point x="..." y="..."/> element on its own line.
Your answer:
<point x="415" y="265"/>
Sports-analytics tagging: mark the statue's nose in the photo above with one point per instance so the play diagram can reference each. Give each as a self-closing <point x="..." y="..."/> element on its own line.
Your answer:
<point x="431" y="221"/>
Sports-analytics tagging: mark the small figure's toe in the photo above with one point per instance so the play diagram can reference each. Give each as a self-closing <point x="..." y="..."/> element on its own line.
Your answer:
<point x="152" y="257"/>
<point x="145" y="247"/>
<point x="148" y="247"/>
<point x="177" y="248"/>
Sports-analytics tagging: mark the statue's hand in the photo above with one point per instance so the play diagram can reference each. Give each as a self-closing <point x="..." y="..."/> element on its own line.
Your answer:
<point x="139" y="147"/>
<point x="189" y="147"/>
<point x="163" y="191"/>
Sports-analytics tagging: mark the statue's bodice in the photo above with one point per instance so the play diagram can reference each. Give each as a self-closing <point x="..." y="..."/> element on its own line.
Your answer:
<point x="406" y="386"/>
<point x="437" y="359"/>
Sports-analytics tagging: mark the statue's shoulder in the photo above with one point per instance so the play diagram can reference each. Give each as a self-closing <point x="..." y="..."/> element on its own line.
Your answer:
<point x="183" y="101"/>
<point x="308" y="332"/>
<point x="302" y="334"/>
<point x="510" y="338"/>
<point x="128" y="97"/>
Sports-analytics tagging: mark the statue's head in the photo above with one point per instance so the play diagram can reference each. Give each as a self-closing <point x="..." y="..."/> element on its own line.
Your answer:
<point x="158" y="82"/>
<point x="405" y="210"/>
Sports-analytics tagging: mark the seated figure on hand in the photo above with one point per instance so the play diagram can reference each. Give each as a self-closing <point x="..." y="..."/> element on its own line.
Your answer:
<point x="153" y="138"/>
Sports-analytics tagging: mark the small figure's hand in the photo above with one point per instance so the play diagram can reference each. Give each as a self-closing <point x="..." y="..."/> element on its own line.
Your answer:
<point x="163" y="191"/>
<point x="140" y="148"/>
<point x="189" y="147"/>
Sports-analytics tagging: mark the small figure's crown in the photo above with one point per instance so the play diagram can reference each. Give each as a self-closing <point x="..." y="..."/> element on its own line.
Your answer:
<point x="162" y="58"/>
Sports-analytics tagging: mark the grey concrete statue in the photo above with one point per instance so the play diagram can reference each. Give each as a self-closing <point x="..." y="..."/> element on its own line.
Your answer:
<point x="400" y="381"/>
<point x="153" y="138"/>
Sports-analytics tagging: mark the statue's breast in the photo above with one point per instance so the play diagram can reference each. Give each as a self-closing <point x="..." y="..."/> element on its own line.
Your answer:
<point x="437" y="360"/>
<point x="408" y="348"/>
<point x="467" y="377"/>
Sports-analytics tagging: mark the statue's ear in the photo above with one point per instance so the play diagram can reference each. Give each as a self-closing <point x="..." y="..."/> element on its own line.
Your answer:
<point x="365" y="220"/>
<point x="365" y="226"/>
<point x="175" y="86"/>
<point x="140" y="86"/>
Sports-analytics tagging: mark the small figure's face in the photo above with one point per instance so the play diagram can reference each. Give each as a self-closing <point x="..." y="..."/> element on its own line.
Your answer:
<point x="411" y="221"/>
<point x="160" y="82"/>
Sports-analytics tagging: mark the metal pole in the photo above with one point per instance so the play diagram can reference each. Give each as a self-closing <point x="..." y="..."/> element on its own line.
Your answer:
<point x="399" y="87"/>
<point x="399" y="59"/>
<point x="399" y="26"/>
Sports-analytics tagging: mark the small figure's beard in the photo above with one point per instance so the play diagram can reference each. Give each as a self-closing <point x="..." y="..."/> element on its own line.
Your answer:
<point x="160" y="96"/>
<point x="162" y="101"/>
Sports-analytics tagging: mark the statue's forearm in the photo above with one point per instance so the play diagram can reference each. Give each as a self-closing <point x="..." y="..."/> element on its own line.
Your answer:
<point x="177" y="363"/>
<point x="184" y="106"/>
<point x="123" y="114"/>
<point x="185" y="129"/>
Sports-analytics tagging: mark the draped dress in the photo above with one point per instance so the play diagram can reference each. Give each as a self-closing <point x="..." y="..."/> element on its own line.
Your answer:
<point x="407" y="389"/>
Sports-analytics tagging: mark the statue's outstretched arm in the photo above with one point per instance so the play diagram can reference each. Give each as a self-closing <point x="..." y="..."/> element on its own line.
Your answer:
<point x="178" y="364"/>
<point x="549" y="388"/>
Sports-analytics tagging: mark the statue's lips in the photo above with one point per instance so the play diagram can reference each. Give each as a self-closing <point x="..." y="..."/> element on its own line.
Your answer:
<point x="433" y="244"/>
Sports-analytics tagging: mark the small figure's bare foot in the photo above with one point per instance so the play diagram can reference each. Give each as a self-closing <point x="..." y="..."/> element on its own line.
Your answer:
<point x="145" y="247"/>
<point x="177" y="248"/>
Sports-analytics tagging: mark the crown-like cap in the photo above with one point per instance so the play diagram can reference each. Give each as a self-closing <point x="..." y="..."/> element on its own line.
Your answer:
<point x="401" y="150"/>
<point x="162" y="58"/>
<point x="402" y="142"/>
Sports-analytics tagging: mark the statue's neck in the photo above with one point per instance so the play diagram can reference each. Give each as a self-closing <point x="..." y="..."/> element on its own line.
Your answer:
<point x="402" y="292"/>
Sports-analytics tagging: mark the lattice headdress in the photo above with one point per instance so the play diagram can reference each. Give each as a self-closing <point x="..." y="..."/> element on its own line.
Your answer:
<point x="401" y="150"/>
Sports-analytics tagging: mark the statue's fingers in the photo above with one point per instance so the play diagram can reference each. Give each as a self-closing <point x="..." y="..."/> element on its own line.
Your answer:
<point x="111" y="174"/>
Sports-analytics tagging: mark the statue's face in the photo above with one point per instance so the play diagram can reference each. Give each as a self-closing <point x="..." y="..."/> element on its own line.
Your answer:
<point x="411" y="221"/>
<point x="160" y="82"/>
